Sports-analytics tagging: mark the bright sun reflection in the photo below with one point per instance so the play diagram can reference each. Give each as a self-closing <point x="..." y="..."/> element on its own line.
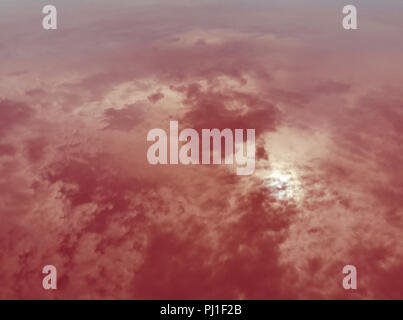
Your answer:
<point x="284" y="185"/>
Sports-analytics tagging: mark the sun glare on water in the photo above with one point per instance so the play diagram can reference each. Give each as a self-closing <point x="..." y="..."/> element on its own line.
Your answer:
<point x="284" y="184"/>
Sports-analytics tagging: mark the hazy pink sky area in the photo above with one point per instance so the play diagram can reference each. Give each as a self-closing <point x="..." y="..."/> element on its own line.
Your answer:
<point x="77" y="192"/>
